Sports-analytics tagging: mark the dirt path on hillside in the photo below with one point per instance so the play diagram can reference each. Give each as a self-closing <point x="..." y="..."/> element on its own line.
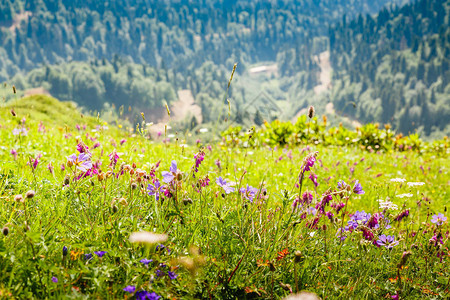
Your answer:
<point x="323" y="59"/>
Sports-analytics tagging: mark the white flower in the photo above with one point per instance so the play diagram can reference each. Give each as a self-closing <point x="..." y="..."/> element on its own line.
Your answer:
<point x="146" y="237"/>
<point x="203" y="130"/>
<point x="398" y="180"/>
<point x="387" y="204"/>
<point x="405" y="195"/>
<point x="415" y="183"/>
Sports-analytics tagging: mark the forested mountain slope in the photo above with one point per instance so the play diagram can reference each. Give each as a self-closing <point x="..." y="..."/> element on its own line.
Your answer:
<point x="395" y="66"/>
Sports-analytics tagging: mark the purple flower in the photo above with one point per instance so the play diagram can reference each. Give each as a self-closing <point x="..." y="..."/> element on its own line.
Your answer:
<point x="313" y="178"/>
<point x="223" y="184"/>
<point x="113" y="157"/>
<point x="159" y="273"/>
<point x="357" y="188"/>
<point x="160" y="247"/>
<point x="88" y="256"/>
<point x="309" y="163"/>
<point x="65" y="251"/>
<point x="144" y="295"/>
<point x="54" y="279"/>
<point x="199" y="157"/>
<point x="129" y="289"/>
<point x="122" y="141"/>
<point x="20" y="131"/>
<point x="341" y="234"/>
<point x="172" y="275"/>
<point x="82" y="148"/>
<point x="438" y="219"/>
<point x="146" y="261"/>
<point x="249" y="193"/>
<point x="34" y="162"/>
<point x="155" y="189"/>
<point x="341" y="185"/>
<point x="387" y="241"/>
<point x="100" y="253"/>
<point x="168" y="177"/>
<point x="14" y="153"/>
<point x="82" y="162"/>
<point x="50" y="168"/>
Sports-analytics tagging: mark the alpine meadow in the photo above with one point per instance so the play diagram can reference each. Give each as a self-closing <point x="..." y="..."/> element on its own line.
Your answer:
<point x="224" y="149"/>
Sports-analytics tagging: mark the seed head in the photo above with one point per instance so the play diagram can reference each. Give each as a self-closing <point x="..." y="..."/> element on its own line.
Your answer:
<point x="18" y="198"/>
<point x="13" y="112"/>
<point x="30" y="194"/>
<point x="5" y="231"/>
<point x="311" y="112"/>
<point x="298" y="256"/>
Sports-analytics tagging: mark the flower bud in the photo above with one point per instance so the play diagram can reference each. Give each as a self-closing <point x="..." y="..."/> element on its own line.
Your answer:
<point x="66" y="180"/>
<point x="134" y="186"/>
<point x="311" y="112"/>
<point x="65" y="251"/>
<point x="5" y="231"/>
<point x="30" y="194"/>
<point x="18" y="198"/>
<point x="115" y="209"/>
<point x="298" y="256"/>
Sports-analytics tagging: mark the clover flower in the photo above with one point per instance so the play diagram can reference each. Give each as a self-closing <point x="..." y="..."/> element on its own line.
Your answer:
<point x="82" y="162"/>
<point x="388" y="241"/>
<point x="438" y="219"/>
<point x="223" y="184"/>
<point x="249" y="193"/>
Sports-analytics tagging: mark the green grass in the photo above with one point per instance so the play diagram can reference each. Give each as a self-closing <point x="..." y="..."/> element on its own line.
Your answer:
<point x="221" y="246"/>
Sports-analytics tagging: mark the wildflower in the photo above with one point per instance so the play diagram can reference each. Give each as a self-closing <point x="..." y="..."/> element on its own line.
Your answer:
<point x="357" y="188"/>
<point x="223" y="184"/>
<point x="64" y="251"/>
<point x="387" y="204"/>
<point x="122" y="141"/>
<point x="388" y="241"/>
<point x="217" y="162"/>
<point x="82" y="162"/>
<point x="320" y="206"/>
<point x="249" y="193"/>
<point x="168" y="177"/>
<point x="34" y="162"/>
<point x="88" y="256"/>
<point x="144" y="295"/>
<point x="54" y="279"/>
<point x="18" y="198"/>
<point x="113" y="157"/>
<point x="438" y="219"/>
<point x="50" y="168"/>
<point x="20" y="131"/>
<point x="342" y="185"/>
<point x="154" y="189"/>
<point x="313" y="178"/>
<point x="96" y="145"/>
<point x="199" y="157"/>
<point x="437" y="239"/>
<point x="146" y="261"/>
<point x="14" y="153"/>
<point x="146" y="237"/>
<point x="100" y="253"/>
<point x="159" y="273"/>
<point x="129" y="289"/>
<point x="402" y="215"/>
<point x="172" y="275"/>
<point x="398" y="180"/>
<point x="404" y="195"/>
<point x="5" y="231"/>
<point x="341" y="234"/>
<point x="82" y="148"/>
<point x="410" y="184"/>
<point x="308" y="161"/>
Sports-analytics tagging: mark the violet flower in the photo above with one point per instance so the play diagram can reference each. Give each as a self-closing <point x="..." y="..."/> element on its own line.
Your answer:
<point x="144" y="295"/>
<point x="438" y="219"/>
<point x="357" y="188"/>
<point x="82" y="162"/>
<point x="223" y="184"/>
<point x="154" y="190"/>
<point x="249" y="193"/>
<point x="313" y="178"/>
<point x="100" y="253"/>
<point x="129" y="289"/>
<point x="388" y="241"/>
<point x="168" y="177"/>
<point x="146" y="261"/>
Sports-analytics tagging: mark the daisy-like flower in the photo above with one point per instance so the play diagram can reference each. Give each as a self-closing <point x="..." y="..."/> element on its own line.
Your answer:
<point x="223" y="184"/>
<point x="146" y="237"/>
<point x="82" y="162"/>
<point x="410" y="184"/>
<point x="404" y="195"/>
<point x="438" y="219"/>
<point x="387" y="204"/>
<point x="249" y="193"/>
<point x="168" y="177"/>
<point x="388" y="241"/>
<point x="398" y="180"/>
